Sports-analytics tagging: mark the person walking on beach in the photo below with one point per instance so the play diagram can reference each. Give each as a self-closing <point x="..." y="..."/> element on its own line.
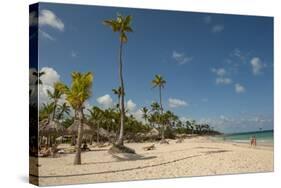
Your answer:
<point x="253" y="141"/>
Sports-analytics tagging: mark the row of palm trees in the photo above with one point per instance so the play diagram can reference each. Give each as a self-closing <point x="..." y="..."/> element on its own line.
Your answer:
<point x="115" y="119"/>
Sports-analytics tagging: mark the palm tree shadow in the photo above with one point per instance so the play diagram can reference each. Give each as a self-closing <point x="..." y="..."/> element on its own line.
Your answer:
<point x="123" y="158"/>
<point x="131" y="157"/>
<point x="216" y="151"/>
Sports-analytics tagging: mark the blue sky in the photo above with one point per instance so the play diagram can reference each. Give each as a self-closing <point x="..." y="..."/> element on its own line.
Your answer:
<point x="218" y="68"/>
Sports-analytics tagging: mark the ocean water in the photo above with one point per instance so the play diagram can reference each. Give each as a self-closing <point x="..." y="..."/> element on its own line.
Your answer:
<point x="262" y="137"/>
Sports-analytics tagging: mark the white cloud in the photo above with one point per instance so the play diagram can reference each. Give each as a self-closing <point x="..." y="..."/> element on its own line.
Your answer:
<point x="219" y="71"/>
<point x="221" y="76"/>
<point x="236" y="52"/>
<point x="181" y="58"/>
<point x="217" y="28"/>
<point x="208" y="19"/>
<point x="138" y="115"/>
<point x="131" y="106"/>
<point x="73" y="54"/>
<point x="223" y="81"/>
<point x="174" y="103"/>
<point x="46" y="35"/>
<point x="257" y="65"/>
<point x="106" y="101"/>
<point x="48" y="80"/>
<point x="48" y="18"/>
<point x="50" y="77"/>
<point x="239" y="88"/>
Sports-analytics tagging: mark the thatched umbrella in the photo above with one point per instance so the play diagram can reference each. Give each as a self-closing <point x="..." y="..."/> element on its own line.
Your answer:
<point x="103" y="132"/>
<point x="51" y="129"/>
<point x="73" y="128"/>
<point x="153" y="132"/>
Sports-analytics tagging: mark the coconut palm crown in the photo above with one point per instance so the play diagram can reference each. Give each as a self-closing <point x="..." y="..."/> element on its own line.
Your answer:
<point x="159" y="82"/>
<point x="76" y="95"/>
<point x="121" y="24"/>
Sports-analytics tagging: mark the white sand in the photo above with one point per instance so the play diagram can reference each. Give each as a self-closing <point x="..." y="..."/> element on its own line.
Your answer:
<point x="194" y="157"/>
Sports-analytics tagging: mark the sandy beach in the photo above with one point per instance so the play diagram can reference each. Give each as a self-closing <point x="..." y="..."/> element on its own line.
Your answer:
<point x="198" y="156"/>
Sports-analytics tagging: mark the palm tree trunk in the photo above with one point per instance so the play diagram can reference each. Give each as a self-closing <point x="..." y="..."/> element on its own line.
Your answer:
<point x="54" y="112"/>
<point x="77" y="159"/>
<point x="122" y="106"/>
<point x="98" y="134"/>
<point x="161" y="111"/>
<point x="160" y="99"/>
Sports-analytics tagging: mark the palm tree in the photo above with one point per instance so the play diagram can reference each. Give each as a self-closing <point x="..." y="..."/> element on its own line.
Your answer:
<point x="45" y="111"/>
<point x="155" y="106"/>
<point x="144" y="111"/>
<point x="55" y="96"/>
<point x="122" y="25"/>
<point x="118" y="92"/>
<point x="160" y="83"/>
<point x="96" y="116"/>
<point x="63" y="109"/>
<point x="38" y="80"/>
<point x="76" y="95"/>
<point x="38" y="75"/>
<point x="193" y="124"/>
<point x="188" y="126"/>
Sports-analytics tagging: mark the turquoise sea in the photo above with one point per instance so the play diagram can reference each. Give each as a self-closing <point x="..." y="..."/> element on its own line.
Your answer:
<point x="263" y="137"/>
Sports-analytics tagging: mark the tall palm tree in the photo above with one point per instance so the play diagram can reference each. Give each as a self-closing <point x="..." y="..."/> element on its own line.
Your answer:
<point x="144" y="111"/>
<point x="159" y="82"/>
<point x="54" y="96"/>
<point x="122" y="25"/>
<point x="76" y="95"/>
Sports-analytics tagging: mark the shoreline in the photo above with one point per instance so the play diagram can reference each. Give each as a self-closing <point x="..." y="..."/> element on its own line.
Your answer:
<point x="260" y="145"/>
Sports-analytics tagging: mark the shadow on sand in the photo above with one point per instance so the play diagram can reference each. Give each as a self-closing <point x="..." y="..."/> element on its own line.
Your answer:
<point x="133" y="157"/>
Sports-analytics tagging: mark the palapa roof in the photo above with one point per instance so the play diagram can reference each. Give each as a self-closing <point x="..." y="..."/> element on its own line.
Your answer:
<point x="103" y="132"/>
<point x="153" y="132"/>
<point x="50" y="127"/>
<point x="73" y="129"/>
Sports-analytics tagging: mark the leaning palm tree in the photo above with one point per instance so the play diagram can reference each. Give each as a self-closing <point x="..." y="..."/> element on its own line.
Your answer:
<point x="122" y="25"/>
<point x="76" y="95"/>
<point x="160" y="83"/>
<point x="54" y="96"/>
